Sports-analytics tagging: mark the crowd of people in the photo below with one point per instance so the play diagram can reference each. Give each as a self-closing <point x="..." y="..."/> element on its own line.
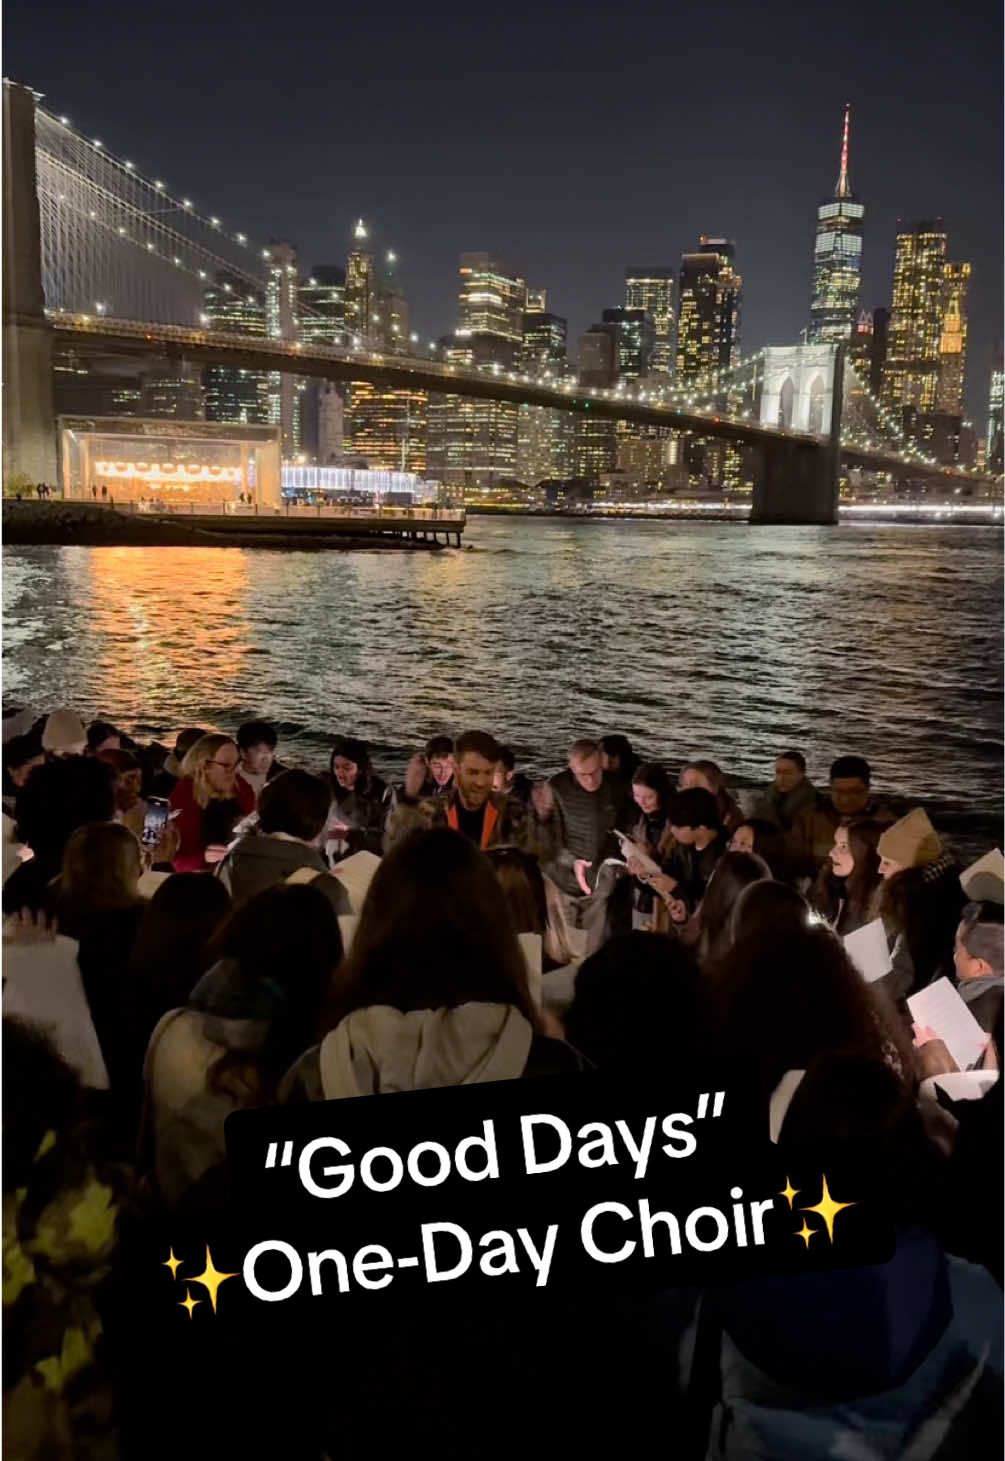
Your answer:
<point x="195" y="930"/>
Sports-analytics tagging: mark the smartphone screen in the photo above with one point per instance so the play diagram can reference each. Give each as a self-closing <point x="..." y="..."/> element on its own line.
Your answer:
<point x="154" y="821"/>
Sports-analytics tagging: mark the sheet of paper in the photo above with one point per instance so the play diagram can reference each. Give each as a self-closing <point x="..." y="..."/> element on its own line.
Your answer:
<point x="984" y="880"/>
<point x="632" y="850"/>
<point x="940" y="1007"/>
<point x="356" y="873"/>
<point x="867" y="950"/>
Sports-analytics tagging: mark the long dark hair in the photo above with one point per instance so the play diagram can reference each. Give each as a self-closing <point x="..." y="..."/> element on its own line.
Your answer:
<point x="434" y="932"/>
<point x="786" y="995"/>
<point x="734" y="872"/>
<point x="171" y="951"/>
<point x="635" y="999"/>
<point x="279" y="952"/>
<point x="358" y="752"/>
<point x="864" y="880"/>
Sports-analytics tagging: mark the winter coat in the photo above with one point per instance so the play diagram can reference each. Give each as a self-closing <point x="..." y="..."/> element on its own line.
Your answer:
<point x="364" y="811"/>
<point x="881" y="1364"/>
<point x="812" y="835"/>
<point x="379" y="1050"/>
<point x="261" y="860"/>
<point x="583" y="824"/>
<point x="782" y="808"/>
<point x="516" y="825"/>
<point x="922" y="948"/>
<point x="195" y="824"/>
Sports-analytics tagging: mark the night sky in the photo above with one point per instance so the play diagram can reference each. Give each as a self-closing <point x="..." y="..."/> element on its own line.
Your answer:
<point x="570" y="140"/>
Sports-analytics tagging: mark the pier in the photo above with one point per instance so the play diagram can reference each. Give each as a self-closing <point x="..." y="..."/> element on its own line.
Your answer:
<point x="74" y="521"/>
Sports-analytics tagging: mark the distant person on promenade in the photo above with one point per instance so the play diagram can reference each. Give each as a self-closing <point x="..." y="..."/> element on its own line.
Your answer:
<point x="790" y="793"/>
<point x="257" y="742"/>
<point x="361" y="798"/>
<point x="848" y="799"/>
<point x="211" y="799"/>
<point x="487" y="818"/>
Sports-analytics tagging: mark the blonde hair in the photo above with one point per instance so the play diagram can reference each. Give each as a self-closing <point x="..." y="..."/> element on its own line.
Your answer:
<point x="206" y="748"/>
<point x="101" y="867"/>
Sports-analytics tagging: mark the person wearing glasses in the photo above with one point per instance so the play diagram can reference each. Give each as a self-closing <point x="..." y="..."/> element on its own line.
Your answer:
<point x="208" y="802"/>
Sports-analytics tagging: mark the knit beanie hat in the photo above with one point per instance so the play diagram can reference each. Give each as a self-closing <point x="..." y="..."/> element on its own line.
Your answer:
<point x="913" y="841"/>
<point x="63" y="731"/>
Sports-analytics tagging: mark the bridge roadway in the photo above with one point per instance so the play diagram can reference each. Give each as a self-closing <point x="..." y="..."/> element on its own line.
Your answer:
<point x="243" y="353"/>
<point x="240" y="352"/>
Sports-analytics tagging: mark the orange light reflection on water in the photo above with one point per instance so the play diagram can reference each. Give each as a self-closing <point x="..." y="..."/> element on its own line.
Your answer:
<point x="165" y="624"/>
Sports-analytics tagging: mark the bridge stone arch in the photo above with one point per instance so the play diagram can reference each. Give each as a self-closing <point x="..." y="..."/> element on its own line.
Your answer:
<point x="808" y="370"/>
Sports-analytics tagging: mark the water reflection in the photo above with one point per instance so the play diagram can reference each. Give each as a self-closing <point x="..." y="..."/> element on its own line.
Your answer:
<point x="692" y="639"/>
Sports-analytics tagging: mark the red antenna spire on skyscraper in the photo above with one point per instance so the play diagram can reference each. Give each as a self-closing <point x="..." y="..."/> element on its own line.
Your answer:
<point x="843" y="189"/>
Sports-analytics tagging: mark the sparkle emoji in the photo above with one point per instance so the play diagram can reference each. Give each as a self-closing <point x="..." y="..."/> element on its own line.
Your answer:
<point x="828" y="1209"/>
<point x="788" y="1191"/>
<point x="188" y="1303"/>
<point x="211" y="1279"/>
<point x="806" y="1233"/>
<point x="174" y="1264"/>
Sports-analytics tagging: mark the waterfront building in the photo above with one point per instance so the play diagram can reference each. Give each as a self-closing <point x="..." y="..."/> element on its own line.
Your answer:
<point x="230" y="304"/>
<point x="651" y="289"/>
<point x="837" y="258"/>
<point x="281" y="319"/>
<point x="708" y="312"/>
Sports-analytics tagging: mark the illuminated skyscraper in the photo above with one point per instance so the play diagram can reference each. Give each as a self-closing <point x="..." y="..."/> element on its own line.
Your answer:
<point x="492" y="299"/>
<point x="235" y="395"/>
<point x="386" y="426"/>
<point x="708" y="317"/>
<point x="953" y="340"/>
<point x="543" y="436"/>
<point x="651" y="289"/>
<point x="322" y="322"/>
<point x="993" y="449"/>
<point x="322" y="306"/>
<point x="635" y="341"/>
<point x="837" y="259"/>
<point x="281" y="320"/>
<point x="360" y="287"/>
<point x="911" y="376"/>
<point x="473" y="444"/>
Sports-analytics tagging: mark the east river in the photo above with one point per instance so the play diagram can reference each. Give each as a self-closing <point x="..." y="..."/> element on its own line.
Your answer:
<point x="694" y="639"/>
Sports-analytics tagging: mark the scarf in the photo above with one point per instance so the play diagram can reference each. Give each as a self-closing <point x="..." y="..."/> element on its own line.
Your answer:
<point x="970" y="990"/>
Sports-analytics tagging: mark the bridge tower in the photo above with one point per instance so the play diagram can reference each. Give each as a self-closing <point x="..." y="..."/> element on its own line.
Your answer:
<point x="29" y="439"/>
<point x="802" y="390"/>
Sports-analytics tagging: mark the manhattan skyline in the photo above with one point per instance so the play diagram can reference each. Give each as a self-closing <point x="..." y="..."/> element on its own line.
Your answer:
<point x="554" y="146"/>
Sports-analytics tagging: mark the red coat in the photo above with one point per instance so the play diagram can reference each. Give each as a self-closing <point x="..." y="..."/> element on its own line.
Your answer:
<point x="191" y="856"/>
